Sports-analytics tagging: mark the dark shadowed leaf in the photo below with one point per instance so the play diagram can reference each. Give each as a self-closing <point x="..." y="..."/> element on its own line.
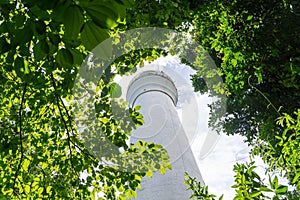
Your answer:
<point x="64" y="58"/>
<point x="92" y="35"/>
<point x="73" y="21"/>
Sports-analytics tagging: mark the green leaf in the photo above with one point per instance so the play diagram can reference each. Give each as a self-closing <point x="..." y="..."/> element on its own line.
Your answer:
<point x="26" y="67"/>
<point x="92" y="35"/>
<point x="281" y="189"/>
<point x="27" y="189"/>
<point x="169" y="166"/>
<point x="22" y="36"/>
<point x="24" y="50"/>
<point x="149" y="174"/>
<point x="265" y="189"/>
<point x="275" y="182"/>
<point x="19" y="66"/>
<point x="77" y="56"/>
<point x="48" y="189"/>
<point x="20" y="19"/>
<point x="249" y="17"/>
<point x="162" y="170"/>
<point x="54" y="38"/>
<point x="59" y="11"/>
<point x="4" y="46"/>
<point x="40" y="50"/>
<point x="44" y="166"/>
<point x="296" y="178"/>
<point x="73" y="21"/>
<point x="234" y="62"/>
<point x="255" y="194"/>
<point x="71" y="43"/>
<point x="38" y="12"/>
<point x="40" y="27"/>
<point x="64" y="58"/>
<point x="259" y="76"/>
<point x="138" y="107"/>
<point x="25" y="165"/>
<point x="134" y="194"/>
<point x="103" y="14"/>
<point x="115" y="90"/>
<point x="140" y="143"/>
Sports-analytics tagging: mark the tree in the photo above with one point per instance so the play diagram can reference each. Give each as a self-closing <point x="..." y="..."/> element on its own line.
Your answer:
<point x="42" y="156"/>
<point x="248" y="185"/>
<point x="255" y="45"/>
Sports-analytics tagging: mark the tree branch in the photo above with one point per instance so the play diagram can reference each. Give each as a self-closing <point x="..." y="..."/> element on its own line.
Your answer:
<point x="64" y="121"/>
<point x="72" y="130"/>
<point x="20" y="135"/>
<point x="67" y="112"/>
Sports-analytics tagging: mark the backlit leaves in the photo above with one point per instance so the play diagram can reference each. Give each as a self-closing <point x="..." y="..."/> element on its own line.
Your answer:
<point x="42" y="157"/>
<point x="115" y="90"/>
<point x="104" y="14"/>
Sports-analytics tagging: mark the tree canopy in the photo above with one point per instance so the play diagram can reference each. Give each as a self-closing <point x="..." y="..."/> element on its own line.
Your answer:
<point x="256" y="47"/>
<point x="42" y="156"/>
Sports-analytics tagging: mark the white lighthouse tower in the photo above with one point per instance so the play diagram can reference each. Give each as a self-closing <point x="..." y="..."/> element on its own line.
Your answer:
<point x="157" y="95"/>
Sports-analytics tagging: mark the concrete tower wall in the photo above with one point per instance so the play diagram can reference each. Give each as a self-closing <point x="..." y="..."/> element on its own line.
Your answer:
<point x="157" y="95"/>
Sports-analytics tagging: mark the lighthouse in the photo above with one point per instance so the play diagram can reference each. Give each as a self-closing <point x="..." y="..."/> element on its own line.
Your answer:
<point x="157" y="95"/>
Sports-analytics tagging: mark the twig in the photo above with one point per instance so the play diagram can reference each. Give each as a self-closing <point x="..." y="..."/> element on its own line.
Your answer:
<point x="69" y="117"/>
<point x="20" y="135"/>
<point x="72" y="130"/>
<point x="64" y="121"/>
<point x="270" y="103"/>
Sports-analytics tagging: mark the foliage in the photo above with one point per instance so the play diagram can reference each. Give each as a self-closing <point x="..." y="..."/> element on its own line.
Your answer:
<point x="199" y="191"/>
<point x="172" y="14"/>
<point x="240" y="37"/>
<point x="284" y="155"/>
<point x="42" y="156"/>
<point x="248" y="185"/>
<point x="255" y="45"/>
